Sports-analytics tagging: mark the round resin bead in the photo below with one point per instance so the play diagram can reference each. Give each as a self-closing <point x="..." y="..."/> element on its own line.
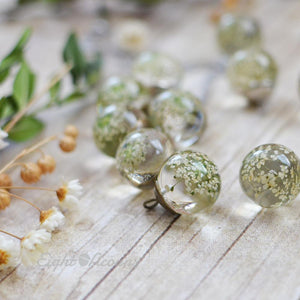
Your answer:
<point x="253" y="73"/>
<point x="155" y="70"/>
<point x="270" y="175"/>
<point x="238" y="32"/>
<point x="179" y="115"/>
<point x="113" y="123"/>
<point x="119" y="91"/>
<point x="141" y="155"/>
<point x="188" y="182"/>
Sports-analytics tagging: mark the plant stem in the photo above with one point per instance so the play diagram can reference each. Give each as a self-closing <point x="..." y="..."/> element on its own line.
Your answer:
<point x="36" y="97"/>
<point x="25" y="200"/>
<point x="27" y="188"/>
<point x="10" y="234"/>
<point x="27" y="151"/>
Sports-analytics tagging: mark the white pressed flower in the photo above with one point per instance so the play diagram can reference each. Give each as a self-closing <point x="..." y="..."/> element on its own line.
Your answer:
<point x="9" y="253"/>
<point x="69" y="193"/>
<point x="3" y="135"/>
<point x="51" y="219"/>
<point x="33" y="245"/>
<point x="132" y="35"/>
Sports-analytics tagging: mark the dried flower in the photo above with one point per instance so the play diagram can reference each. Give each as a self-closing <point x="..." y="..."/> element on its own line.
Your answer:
<point x="69" y="193"/>
<point x="5" y="180"/>
<point x="47" y="164"/>
<point x="4" y="199"/>
<point x="33" y="245"/>
<point x="51" y="219"/>
<point x="31" y="173"/>
<point x="67" y="144"/>
<point x="9" y="253"/>
<point x="132" y="36"/>
<point x="3" y="135"/>
<point x="71" y="131"/>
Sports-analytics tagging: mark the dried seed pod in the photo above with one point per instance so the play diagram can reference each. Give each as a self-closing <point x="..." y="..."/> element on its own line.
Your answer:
<point x="71" y="131"/>
<point x="47" y="164"/>
<point x="67" y="144"/>
<point x="31" y="173"/>
<point x="4" y="199"/>
<point x="5" y="180"/>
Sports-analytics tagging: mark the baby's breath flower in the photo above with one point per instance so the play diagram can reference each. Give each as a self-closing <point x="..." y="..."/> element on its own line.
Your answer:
<point x="3" y="135"/>
<point x="69" y="193"/>
<point x="33" y="245"/>
<point x="9" y="253"/>
<point x="51" y="219"/>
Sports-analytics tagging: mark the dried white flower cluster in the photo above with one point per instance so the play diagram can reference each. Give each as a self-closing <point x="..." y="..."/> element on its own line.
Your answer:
<point x="35" y="242"/>
<point x="3" y="135"/>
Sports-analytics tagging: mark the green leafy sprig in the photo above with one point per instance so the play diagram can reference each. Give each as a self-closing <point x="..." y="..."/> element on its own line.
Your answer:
<point x="14" y="107"/>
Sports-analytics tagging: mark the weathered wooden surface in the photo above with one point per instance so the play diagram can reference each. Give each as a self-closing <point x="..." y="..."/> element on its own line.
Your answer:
<point x="236" y="251"/>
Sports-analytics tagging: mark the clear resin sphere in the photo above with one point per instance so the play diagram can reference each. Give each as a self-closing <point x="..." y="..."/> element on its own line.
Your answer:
<point x="119" y="90"/>
<point x="238" y="32"/>
<point x="252" y="73"/>
<point x="113" y="123"/>
<point x="270" y="175"/>
<point x="180" y="115"/>
<point x="141" y="155"/>
<point x="123" y="91"/>
<point x="188" y="182"/>
<point x="156" y="70"/>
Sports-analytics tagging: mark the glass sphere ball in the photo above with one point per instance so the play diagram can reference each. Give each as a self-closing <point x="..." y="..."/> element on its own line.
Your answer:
<point x="270" y="175"/>
<point x="180" y="115"/>
<point x="188" y="182"/>
<point x="156" y="70"/>
<point x="119" y="91"/>
<point x="141" y="155"/>
<point x="237" y="32"/>
<point x="112" y="124"/>
<point x="252" y="73"/>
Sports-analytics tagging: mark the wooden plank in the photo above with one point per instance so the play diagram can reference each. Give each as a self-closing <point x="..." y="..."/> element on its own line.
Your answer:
<point x="236" y="250"/>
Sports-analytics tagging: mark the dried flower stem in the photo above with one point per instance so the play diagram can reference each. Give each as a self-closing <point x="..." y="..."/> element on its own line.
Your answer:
<point x="25" y="200"/>
<point x="10" y="234"/>
<point x="36" y="97"/>
<point x="29" y="188"/>
<point x="26" y="152"/>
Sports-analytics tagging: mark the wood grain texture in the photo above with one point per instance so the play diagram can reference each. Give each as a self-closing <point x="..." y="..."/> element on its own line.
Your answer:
<point x="235" y="251"/>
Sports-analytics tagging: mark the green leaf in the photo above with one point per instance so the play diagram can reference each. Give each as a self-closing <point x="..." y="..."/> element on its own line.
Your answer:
<point x="15" y="56"/>
<point x="55" y="93"/>
<point x="73" y="97"/>
<point x="8" y="107"/>
<point x="24" y="85"/>
<point x="93" y="70"/>
<point x="73" y="55"/>
<point x="27" y="128"/>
